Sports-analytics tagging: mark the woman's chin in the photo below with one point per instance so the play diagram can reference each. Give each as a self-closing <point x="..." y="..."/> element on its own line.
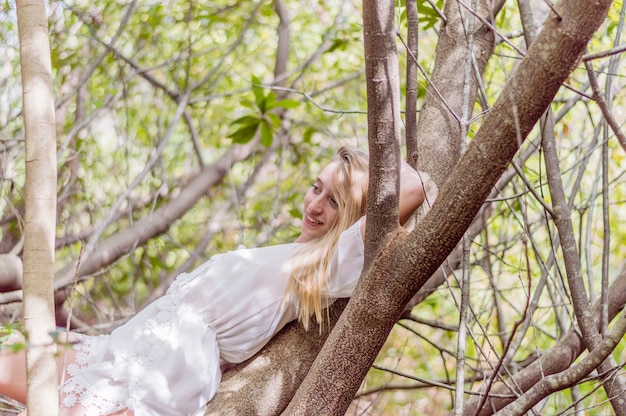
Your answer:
<point x="309" y="233"/>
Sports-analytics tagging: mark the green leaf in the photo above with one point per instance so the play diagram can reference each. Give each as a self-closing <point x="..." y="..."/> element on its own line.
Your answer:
<point x="295" y="213"/>
<point x="274" y="119"/>
<point x="337" y="44"/>
<point x="245" y="133"/>
<point x="286" y="104"/>
<point x="258" y="93"/>
<point x="267" y="134"/>
<point x="248" y="104"/>
<point x="17" y="347"/>
<point x="308" y="134"/>
<point x="269" y="103"/>
<point x="248" y="119"/>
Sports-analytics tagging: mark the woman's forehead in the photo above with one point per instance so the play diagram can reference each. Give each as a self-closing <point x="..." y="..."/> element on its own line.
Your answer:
<point x="327" y="175"/>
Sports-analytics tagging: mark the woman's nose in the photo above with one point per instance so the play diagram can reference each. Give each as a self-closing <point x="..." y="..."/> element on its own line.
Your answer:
<point x="316" y="205"/>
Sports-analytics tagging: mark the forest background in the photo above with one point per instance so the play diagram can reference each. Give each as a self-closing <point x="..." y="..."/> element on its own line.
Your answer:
<point x="186" y="129"/>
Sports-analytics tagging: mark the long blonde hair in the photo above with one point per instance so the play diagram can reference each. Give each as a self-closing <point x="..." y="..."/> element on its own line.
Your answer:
<point x="311" y="263"/>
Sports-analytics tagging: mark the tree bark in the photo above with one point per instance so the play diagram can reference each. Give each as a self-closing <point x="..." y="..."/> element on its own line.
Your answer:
<point x="408" y="261"/>
<point x="329" y="388"/>
<point x="40" y="207"/>
<point x="439" y="125"/>
<point x="265" y="384"/>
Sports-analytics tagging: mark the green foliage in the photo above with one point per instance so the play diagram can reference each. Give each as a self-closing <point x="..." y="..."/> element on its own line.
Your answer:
<point x="264" y="103"/>
<point x="6" y="330"/>
<point x="428" y="17"/>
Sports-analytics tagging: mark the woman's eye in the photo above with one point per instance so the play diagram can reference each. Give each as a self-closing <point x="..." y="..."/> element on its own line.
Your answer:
<point x="315" y="188"/>
<point x="333" y="203"/>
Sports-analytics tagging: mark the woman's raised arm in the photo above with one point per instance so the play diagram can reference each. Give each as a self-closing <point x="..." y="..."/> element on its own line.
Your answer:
<point x="411" y="193"/>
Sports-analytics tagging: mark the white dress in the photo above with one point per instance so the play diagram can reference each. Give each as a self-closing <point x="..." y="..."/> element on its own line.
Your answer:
<point x="165" y="360"/>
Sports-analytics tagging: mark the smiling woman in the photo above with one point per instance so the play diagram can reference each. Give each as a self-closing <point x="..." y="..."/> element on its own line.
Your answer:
<point x="336" y="200"/>
<point x="320" y="207"/>
<point x="166" y="359"/>
<point x="340" y="187"/>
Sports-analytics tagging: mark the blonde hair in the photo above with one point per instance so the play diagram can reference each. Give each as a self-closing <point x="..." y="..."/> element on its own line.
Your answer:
<point x="310" y="265"/>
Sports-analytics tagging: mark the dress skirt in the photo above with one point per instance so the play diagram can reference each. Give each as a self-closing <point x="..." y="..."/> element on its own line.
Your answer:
<point x="162" y="362"/>
<point x="165" y="360"/>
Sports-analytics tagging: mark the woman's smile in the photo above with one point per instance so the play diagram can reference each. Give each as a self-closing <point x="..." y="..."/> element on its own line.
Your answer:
<point x="320" y="206"/>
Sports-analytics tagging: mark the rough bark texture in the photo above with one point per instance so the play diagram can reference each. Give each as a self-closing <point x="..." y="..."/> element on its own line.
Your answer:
<point x="439" y="129"/>
<point x="265" y="384"/>
<point x="330" y="385"/>
<point x="409" y="260"/>
<point x="439" y="132"/>
<point x="383" y="121"/>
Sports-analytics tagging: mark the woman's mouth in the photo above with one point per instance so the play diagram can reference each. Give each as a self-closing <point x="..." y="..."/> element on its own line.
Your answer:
<point x="312" y="221"/>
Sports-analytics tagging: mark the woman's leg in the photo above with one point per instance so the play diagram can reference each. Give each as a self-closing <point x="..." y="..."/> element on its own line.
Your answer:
<point x="13" y="374"/>
<point x="13" y="364"/>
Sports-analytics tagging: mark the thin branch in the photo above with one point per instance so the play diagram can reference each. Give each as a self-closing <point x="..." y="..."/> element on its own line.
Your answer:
<point x="429" y="82"/>
<point x="466" y="284"/>
<point x="124" y="21"/>
<point x="411" y="83"/>
<point x="606" y="111"/>
<point x="569" y="377"/>
<point x="562" y="219"/>
<point x="437" y="10"/>
<point x="598" y="55"/>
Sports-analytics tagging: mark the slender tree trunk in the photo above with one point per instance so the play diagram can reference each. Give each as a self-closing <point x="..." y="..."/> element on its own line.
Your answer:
<point x="335" y="376"/>
<point x="40" y="201"/>
<point x="439" y="126"/>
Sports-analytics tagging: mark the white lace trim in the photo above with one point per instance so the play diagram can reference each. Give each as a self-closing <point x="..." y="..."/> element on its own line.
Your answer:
<point x="132" y="363"/>
<point x="151" y="336"/>
<point x="74" y="393"/>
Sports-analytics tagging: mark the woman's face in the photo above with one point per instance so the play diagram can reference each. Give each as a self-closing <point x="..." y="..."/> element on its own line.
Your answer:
<point x="320" y="206"/>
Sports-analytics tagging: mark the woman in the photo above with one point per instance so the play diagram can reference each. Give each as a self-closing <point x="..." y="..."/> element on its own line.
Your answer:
<point x="166" y="359"/>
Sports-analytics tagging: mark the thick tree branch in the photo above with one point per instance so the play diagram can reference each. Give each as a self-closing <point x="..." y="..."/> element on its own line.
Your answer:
<point x="408" y="261"/>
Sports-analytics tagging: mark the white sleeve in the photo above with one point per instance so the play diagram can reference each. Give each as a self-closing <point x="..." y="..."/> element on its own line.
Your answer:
<point x="347" y="262"/>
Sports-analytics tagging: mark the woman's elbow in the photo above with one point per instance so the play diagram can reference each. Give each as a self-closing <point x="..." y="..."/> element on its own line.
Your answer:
<point x="417" y="188"/>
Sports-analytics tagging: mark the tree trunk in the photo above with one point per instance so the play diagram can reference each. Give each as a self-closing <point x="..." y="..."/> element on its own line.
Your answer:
<point x="439" y="125"/>
<point x="409" y="260"/>
<point x="40" y="212"/>
<point x="265" y="384"/>
<point x="335" y="377"/>
<point x="439" y="129"/>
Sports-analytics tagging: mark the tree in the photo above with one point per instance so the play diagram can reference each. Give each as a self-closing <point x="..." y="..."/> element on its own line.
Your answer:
<point x="40" y="207"/>
<point x="133" y="178"/>
<point x="406" y="263"/>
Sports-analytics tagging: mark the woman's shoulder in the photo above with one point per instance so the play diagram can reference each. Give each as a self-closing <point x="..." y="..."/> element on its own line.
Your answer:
<point x="356" y="230"/>
<point x="274" y="252"/>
